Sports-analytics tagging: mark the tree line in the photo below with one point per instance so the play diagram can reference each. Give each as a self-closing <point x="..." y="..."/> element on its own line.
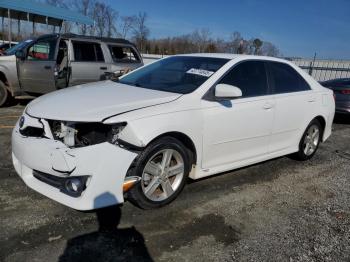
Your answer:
<point x="110" y="23"/>
<point x="201" y="41"/>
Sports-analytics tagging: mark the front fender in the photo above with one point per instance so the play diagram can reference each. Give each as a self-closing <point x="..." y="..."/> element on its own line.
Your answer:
<point x="140" y="132"/>
<point x="8" y="70"/>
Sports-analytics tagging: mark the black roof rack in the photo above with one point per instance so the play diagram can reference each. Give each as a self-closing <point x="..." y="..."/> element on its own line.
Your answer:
<point x="102" y="39"/>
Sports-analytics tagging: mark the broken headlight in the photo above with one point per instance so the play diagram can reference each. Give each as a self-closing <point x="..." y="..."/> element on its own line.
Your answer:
<point x="78" y="134"/>
<point x="116" y="129"/>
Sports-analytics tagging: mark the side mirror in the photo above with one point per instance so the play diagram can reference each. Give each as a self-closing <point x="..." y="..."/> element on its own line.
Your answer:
<point x="20" y="54"/>
<point x="227" y="91"/>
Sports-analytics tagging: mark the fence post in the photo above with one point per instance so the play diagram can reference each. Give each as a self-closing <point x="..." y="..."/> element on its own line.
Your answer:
<point x="312" y="65"/>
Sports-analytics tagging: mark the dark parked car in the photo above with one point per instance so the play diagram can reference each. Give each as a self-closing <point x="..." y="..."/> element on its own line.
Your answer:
<point x="341" y="89"/>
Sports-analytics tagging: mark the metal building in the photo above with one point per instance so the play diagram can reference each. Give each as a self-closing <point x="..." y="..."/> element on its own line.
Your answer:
<point x="35" y="12"/>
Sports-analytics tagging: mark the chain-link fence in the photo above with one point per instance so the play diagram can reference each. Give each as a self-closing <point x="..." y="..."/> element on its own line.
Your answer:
<point x="323" y="70"/>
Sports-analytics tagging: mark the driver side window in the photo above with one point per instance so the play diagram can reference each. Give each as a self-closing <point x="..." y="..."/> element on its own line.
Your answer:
<point x="43" y="49"/>
<point x="250" y="77"/>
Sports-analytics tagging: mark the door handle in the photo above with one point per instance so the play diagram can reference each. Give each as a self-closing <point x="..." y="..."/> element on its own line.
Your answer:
<point x="268" y="106"/>
<point x="103" y="68"/>
<point x="47" y="67"/>
<point x="311" y="99"/>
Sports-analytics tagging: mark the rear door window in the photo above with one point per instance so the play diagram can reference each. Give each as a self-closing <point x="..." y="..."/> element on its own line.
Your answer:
<point x="250" y="77"/>
<point x="285" y="79"/>
<point x="87" y="52"/>
<point x="123" y="54"/>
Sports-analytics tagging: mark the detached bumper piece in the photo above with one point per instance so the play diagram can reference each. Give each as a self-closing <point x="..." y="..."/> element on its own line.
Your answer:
<point x="72" y="186"/>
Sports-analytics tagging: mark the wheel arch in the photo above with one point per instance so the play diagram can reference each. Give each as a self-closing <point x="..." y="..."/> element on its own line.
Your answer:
<point x="3" y="78"/>
<point x="183" y="138"/>
<point x="323" y="123"/>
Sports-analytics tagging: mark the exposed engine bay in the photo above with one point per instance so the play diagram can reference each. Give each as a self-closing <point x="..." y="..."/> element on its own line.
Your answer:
<point x="80" y="134"/>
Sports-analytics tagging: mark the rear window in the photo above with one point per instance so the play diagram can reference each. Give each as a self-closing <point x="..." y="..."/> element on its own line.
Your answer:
<point x="124" y="54"/>
<point x="87" y="52"/>
<point x="285" y="79"/>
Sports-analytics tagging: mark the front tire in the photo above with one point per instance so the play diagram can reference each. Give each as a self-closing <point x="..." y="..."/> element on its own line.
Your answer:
<point x="4" y="94"/>
<point x="163" y="168"/>
<point x="310" y="141"/>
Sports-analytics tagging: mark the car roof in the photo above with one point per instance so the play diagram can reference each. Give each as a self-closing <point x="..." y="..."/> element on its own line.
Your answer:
<point x="234" y="56"/>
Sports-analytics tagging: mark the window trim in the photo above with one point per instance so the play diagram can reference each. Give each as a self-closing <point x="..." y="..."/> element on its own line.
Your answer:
<point x="88" y="42"/>
<point x="272" y="82"/>
<point x="39" y="40"/>
<point x="135" y="52"/>
<point x="210" y="95"/>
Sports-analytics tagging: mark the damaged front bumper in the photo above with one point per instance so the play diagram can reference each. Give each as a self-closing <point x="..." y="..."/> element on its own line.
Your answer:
<point x="46" y="165"/>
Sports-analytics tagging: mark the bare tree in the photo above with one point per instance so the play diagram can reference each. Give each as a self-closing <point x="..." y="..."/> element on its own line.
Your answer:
<point x="66" y="26"/>
<point x="269" y="49"/>
<point x="126" y="25"/>
<point x="111" y="21"/>
<point x="235" y="43"/>
<point x="85" y="8"/>
<point x="140" y="30"/>
<point x="105" y="19"/>
<point x="200" y="39"/>
<point x="100" y="18"/>
<point x="257" y="46"/>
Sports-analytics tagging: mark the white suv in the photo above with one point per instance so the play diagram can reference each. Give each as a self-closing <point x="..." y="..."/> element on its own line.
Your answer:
<point x="183" y="116"/>
<point x="41" y="65"/>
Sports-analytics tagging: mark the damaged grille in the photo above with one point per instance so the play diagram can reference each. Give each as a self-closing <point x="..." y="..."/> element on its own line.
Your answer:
<point x="78" y="134"/>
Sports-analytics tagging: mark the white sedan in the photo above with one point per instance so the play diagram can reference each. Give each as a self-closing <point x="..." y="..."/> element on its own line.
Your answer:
<point x="142" y="136"/>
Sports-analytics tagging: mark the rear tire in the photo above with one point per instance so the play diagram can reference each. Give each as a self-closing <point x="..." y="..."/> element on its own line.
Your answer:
<point x="4" y="94"/>
<point x="163" y="168"/>
<point x="310" y="141"/>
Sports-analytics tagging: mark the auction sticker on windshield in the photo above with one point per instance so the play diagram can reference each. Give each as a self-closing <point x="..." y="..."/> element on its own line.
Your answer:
<point x="200" y="72"/>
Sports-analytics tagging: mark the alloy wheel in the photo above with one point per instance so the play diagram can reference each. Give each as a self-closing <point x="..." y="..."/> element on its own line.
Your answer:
<point x="311" y="140"/>
<point x="162" y="175"/>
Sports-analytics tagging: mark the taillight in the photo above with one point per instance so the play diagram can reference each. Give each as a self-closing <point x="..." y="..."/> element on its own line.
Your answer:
<point x="345" y="92"/>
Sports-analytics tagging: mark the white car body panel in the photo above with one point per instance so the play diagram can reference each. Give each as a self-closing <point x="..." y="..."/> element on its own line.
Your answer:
<point x="289" y="111"/>
<point x="225" y="135"/>
<point x="224" y="129"/>
<point x="97" y="103"/>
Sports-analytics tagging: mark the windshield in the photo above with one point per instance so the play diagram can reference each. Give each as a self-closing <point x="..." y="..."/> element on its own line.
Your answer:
<point x="19" y="46"/>
<point x="177" y="74"/>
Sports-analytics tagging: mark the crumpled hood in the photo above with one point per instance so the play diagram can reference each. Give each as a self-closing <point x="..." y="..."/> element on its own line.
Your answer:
<point x="95" y="101"/>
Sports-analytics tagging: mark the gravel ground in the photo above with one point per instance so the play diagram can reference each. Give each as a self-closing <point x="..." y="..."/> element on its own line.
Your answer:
<point x="279" y="210"/>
